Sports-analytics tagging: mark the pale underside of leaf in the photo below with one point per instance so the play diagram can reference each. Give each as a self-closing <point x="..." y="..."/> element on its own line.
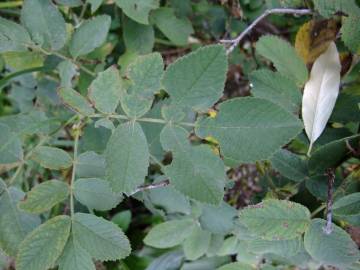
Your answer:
<point x="320" y="93"/>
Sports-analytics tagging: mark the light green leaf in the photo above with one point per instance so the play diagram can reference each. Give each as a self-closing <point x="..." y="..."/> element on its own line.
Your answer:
<point x="290" y="165"/>
<point x="145" y="73"/>
<point x="332" y="154"/>
<point x="275" y="219"/>
<point x="96" y="194"/>
<point x="169" y="199"/>
<point x="90" y="165"/>
<point x="197" y="80"/>
<point x="177" y="30"/>
<point x="328" y="8"/>
<point x="276" y="88"/>
<point x="10" y="146"/>
<point x="102" y="239"/>
<point x="75" y="101"/>
<point x="241" y="124"/>
<point x="67" y="71"/>
<point x="106" y="90"/>
<point x="52" y="157"/>
<point x="236" y="266"/>
<point x="14" y="223"/>
<point x="218" y="219"/>
<point x="284" y="248"/>
<point x="44" y="196"/>
<point x="45" y="23"/>
<point x="90" y="35"/>
<point x="43" y="246"/>
<point x="127" y="157"/>
<point x="138" y="37"/>
<point x="196" y="244"/>
<point x="335" y="249"/>
<point x="195" y="171"/>
<point x="138" y="10"/>
<point x="75" y="257"/>
<point x="95" y="4"/>
<point x="284" y="57"/>
<point x="350" y="33"/>
<point x="170" y="233"/>
<point x="122" y="219"/>
<point x="229" y="246"/>
<point x="13" y="37"/>
<point x="348" y="208"/>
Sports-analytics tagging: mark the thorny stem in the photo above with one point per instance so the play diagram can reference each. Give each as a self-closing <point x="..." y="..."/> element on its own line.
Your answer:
<point x="76" y="128"/>
<point x="331" y="177"/>
<point x="235" y="42"/>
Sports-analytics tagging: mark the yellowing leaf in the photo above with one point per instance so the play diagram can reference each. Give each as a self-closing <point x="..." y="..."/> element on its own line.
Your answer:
<point x="320" y="93"/>
<point x="314" y="37"/>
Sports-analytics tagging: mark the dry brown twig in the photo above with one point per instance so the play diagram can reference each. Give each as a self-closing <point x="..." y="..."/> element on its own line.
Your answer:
<point x="235" y="42"/>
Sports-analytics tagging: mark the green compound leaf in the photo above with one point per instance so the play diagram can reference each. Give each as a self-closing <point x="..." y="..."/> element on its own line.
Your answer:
<point x="52" y="157"/>
<point x="75" y="101"/>
<point x="290" y="165"/>
<point x="196" y="244"/>
<point x="195" y="170"/>
<point x="138" y="37"/>
<point x="102" y="239"/>
<point x="328" y="8"/>
<point x="45" y="23"/>
<point x="106" y="90"/>
<point x="75" y="257"/>
<point x="43" y="246"/>
<point x="236" y="266"/>
<point x="241" y="124"/>
<point x="197" y="80"/>
<point x="177" y="30"/>
<point x="10" y="146"/>
<point x="348" y="209"/>
<point x="276" y="220"/>
<point x="127" y="157"/>
<point x="170" y="233"/>
<point x="145" y="73"/>
<point x="90" y="35"/>
<point x="138" y="10"/>
<point x="96" y="194"/>
<point x="350" y="33"/>
<point x="13" y="37"/>
<point x="276" y="88"/>
<point x="335" y="249"/>
<point x="14" y="223"/>
<point x="44" y="196"/>
<point x="284" y="57"/>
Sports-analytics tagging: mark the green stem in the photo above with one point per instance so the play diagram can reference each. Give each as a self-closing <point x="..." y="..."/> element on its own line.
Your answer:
<point x="76" y="143"/>
<point x="83" y="10"/>
<point x="318" y="210"/>
<point x="144" y="119"/>
<point x="4" y="80"/>
<point x="80" y="66"/>
<point x="11" y="4"/>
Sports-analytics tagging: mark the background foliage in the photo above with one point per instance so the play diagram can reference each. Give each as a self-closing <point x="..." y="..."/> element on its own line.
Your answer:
<point x="133" y="138"/>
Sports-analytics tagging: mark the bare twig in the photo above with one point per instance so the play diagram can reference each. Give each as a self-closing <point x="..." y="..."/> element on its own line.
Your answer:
<point x="159" y="184"/>
<point x="236" y="41"/>
<point x="331" y="178"/>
